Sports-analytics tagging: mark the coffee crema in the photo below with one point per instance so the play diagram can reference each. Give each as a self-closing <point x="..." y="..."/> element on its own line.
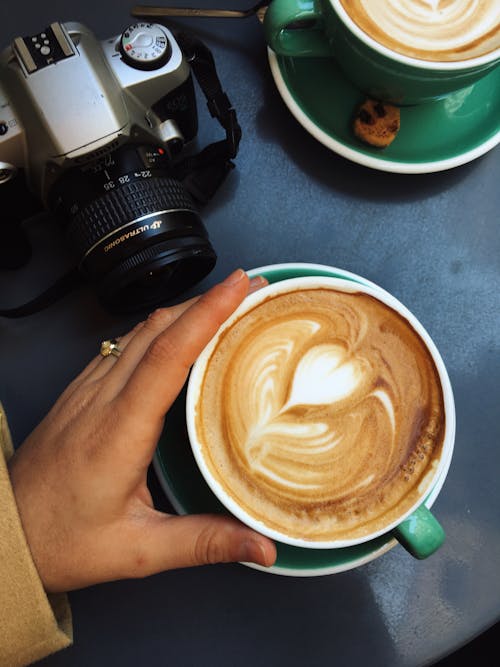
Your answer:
<point x="435" y="30"/>
<point x="321" y="414"/>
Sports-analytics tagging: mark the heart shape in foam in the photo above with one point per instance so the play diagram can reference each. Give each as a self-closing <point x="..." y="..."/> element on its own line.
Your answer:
<point x="325" y="374"/>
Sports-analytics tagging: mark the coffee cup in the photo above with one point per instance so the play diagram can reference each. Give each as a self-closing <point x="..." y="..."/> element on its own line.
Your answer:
<point x="321" y="415"/>
<point x="405" y="53"/>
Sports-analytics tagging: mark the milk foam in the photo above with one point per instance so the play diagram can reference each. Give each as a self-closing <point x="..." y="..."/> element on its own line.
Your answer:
<point x="321" y="411"/>
<point x="436" y="30"/>
<point x="324" y="375"/>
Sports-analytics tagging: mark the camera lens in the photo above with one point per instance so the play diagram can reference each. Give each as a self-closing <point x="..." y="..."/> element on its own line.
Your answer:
<point x="135" y="229"/>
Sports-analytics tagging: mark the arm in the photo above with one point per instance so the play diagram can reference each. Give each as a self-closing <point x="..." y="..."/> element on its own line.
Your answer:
<point x="32" y="624"/>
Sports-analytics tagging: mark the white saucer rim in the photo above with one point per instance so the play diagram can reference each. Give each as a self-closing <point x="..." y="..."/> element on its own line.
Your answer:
<point x="362" y="158"/>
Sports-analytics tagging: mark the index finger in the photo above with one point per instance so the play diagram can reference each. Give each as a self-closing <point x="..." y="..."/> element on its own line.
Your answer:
<point x="163" y="369"/>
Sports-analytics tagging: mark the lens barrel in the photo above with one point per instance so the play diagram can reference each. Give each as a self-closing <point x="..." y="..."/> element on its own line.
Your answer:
<point x="136" y="232"/>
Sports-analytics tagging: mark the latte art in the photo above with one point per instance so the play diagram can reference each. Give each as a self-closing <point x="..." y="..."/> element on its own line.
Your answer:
<point x="321" y="414"/>
<point x="439" y="30"/>
<point x="277" y="443"/>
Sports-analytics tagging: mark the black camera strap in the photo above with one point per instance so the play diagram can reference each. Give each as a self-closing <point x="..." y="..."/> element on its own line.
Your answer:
<point x="201" y="174"/>
<point x="64" y="285"/>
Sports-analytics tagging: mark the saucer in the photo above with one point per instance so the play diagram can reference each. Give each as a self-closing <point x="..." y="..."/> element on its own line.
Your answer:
<point x="188" y="492"/>
<point x="433" y="137"/>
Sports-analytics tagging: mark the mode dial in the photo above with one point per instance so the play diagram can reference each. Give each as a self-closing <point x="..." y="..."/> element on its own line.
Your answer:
<point x="145" y="46"/>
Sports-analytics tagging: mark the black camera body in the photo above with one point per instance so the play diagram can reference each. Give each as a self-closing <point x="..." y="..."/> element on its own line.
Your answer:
<point x="94" y="131"/>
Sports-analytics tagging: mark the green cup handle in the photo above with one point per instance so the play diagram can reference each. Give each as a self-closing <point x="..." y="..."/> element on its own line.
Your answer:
<point x="285" y="34"/>
<point x="420" y="534"/>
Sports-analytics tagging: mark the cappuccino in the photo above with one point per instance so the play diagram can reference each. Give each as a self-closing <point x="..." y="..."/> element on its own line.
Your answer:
<point x="320" y="414"/>
<point x="435" y="30"/>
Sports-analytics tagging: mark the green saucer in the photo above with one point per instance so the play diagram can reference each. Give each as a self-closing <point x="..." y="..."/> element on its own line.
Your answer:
<point x="433" y="137"/>
<point x="188" y="492"/>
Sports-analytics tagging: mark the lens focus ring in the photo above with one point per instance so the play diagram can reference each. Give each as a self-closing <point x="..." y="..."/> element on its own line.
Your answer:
<point x="102" y="216"/>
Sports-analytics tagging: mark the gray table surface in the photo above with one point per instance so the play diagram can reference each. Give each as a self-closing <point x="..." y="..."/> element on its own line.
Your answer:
<point x="433" y="241"/>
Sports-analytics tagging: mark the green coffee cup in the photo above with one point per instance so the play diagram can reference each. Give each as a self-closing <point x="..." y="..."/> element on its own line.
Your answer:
<point x="323" y="28"/>
<point x="416" y="529"/>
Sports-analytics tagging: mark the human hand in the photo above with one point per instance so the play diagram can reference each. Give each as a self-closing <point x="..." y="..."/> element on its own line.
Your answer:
<point x="80" y="478"/>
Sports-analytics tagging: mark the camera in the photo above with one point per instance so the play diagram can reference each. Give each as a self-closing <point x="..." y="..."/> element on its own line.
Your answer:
<point x="94" y="131"/>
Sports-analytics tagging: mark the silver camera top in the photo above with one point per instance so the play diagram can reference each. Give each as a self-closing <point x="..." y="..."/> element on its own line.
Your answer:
<point x="67" y="98"/>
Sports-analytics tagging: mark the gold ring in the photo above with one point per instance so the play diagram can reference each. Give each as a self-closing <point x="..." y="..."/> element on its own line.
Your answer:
<point x="110" y="347"/>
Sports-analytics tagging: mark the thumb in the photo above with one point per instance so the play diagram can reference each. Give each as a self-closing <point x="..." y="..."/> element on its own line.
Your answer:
<point x="185" y="541"/>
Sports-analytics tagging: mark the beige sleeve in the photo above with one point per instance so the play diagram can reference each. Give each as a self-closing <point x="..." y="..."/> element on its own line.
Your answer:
<point x="32" y="624"/>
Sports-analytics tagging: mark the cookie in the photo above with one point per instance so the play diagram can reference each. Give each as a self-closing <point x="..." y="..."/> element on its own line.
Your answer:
<point x="377" y="123"/>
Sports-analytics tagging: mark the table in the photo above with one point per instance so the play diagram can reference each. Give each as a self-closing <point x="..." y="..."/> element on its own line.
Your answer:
<point x="430" y="239"/>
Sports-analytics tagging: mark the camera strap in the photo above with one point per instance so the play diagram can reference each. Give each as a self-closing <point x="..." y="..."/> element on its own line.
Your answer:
<point x="201" y="174"/>
<point x="64" y="285"/>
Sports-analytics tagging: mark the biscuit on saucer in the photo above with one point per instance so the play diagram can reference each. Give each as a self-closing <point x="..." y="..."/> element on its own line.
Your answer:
<point x="377" y="123"/>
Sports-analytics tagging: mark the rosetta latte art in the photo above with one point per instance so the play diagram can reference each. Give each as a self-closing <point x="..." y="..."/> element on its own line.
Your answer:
<point x="278" y="444"/>
<point x="430" y="29"/>
<point x="320" y="411"/>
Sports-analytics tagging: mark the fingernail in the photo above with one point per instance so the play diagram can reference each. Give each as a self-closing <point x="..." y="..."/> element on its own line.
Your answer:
<point x="253" y="551"/>
<point x="234" y="277"/>
<point x="257" y="282"/>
